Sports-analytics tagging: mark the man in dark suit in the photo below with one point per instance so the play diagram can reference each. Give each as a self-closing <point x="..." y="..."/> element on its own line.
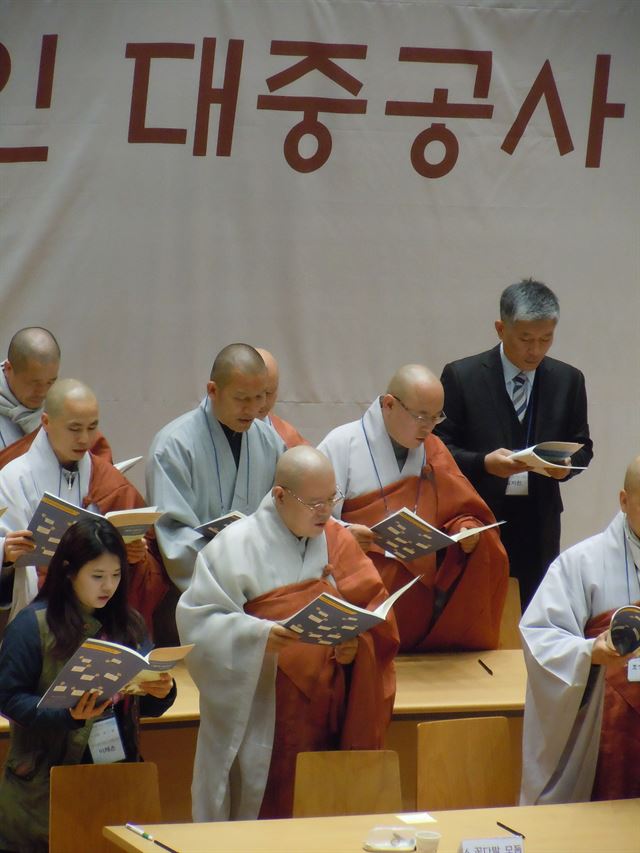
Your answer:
<point x="509" y="398"/>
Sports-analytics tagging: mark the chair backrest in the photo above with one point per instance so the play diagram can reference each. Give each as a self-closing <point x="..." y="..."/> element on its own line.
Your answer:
<point x="509" y="634"/>
<point x="347" y="782"/>
<point x="464" y="763"/>
<point x="86" y="797"/>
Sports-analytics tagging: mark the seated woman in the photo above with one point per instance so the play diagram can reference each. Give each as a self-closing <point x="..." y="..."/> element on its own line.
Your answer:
<point x="84" y="595"/>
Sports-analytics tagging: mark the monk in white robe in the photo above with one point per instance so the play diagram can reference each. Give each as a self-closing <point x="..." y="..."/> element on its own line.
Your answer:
<point x="59" y="462"/>
<point x="264" y="695"/>
<point x="582" y="715"/>
<point x="193" y="474"/>
<point x="287" y="432"/>
<point x="27" y="374"/>
<point x="390" y="459"/>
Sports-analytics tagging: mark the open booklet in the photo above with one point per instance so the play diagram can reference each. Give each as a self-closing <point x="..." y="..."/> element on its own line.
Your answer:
<point x="54" y="515"/>
<point x="549" y="454"/>
<point x="211" y="528"/>
<point x="407" y="537"/>
<point x="624" y="629"/>
<point x="108" y="668"/>
<point x="328" y="620"/>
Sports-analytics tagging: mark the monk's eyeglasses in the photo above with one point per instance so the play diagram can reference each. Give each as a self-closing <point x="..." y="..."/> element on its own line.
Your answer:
<point x="420" y="418"/>
<point x="317" y="506"/>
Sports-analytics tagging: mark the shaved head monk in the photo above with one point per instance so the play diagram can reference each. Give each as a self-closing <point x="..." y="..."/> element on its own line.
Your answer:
<point x="582" y="710"/>
<point x="390" y="459"/>
<point x="29" y="371"/>
<point x="287" y="432"/>
<point x="264" y="695"/>
<point x="59" y="461"/>
<point x="216" y="458"/>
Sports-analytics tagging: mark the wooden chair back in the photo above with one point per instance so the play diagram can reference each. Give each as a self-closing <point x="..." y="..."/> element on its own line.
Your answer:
<point x="86" y="797"/>
<point x="464" y="763"/>
<point x="346" y="783"/>
<point x="509" y="634"/>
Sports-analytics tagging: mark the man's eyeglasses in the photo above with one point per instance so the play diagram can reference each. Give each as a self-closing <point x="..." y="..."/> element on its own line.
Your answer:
<point x="420" y="418"/>
<point x="317" y="506"/>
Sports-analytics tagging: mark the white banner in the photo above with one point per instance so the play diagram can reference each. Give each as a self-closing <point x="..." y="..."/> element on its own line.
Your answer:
<point x="348" y="183"/>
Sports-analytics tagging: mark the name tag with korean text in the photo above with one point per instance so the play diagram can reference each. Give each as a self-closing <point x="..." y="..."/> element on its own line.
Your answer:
<point x="105" y="743"/>
<point x="518" y="484"/>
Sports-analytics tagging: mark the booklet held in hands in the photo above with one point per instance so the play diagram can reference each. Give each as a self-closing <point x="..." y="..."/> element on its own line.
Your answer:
<point x="329" y="621"/>
<point x="108" y="668"/>
<point x="407" y="537"/>
<point x="549" y="454"/>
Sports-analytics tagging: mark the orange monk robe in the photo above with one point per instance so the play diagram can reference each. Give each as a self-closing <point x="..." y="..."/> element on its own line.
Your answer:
<point x="110" y="490"/>
<point x="321" y="705"/>
<point x="468" y="591"/>
<point x="287" y="432"/>
<point x="617" y="775"/>
<point x="100" y="448"/>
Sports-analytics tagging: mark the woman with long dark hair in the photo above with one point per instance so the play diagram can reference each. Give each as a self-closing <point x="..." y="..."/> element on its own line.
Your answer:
<point x="84" y="595"/>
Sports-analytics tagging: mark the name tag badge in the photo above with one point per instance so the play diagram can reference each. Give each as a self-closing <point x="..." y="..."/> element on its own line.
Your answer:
<point x="500" y="844"/>
<point x="518" y="484"/>
<point x="633" y="669"/>
<point x="105" y="743"/>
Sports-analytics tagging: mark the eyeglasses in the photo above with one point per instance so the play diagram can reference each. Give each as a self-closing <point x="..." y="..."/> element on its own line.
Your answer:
<point x="317" y="506"/>
<point x="422" y="419"/>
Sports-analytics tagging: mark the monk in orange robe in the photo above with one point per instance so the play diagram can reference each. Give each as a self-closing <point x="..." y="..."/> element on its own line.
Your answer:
<point x="264" y="694"/>
<point x="59" y="462"/>
<point x="389" y="460"/>
<point x="287" y="432"/>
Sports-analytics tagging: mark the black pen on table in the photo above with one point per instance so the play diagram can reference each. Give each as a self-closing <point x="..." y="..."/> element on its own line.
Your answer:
<point x="508" y="828"/>
<point x="143" y="834"/>
<point x="485" y="667"/>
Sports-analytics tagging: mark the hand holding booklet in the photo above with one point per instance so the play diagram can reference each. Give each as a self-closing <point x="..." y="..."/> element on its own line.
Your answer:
<point x="108" y="668"/>
<point x="549" y="454"/>
<point x="407" y="537"/>
<point x="329" y="621"/>
<point x="54" y="515"/>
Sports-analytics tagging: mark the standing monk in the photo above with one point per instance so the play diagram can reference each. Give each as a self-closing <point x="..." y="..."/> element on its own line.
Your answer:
<point x="59" y="462"/>
<point x="389" y="459"/>
<point x="287" y="432"/>
<point x="264" y="695"/>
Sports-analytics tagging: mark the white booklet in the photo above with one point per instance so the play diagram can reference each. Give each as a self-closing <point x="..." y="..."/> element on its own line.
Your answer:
<point x="407" y="537"/>
<point x="328" y="620"/>
<point x="549" y="454"/>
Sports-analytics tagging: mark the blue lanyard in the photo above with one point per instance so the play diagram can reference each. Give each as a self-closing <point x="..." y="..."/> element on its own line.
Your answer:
<point x="224" y="509"/>
<point x="375" y="468"/>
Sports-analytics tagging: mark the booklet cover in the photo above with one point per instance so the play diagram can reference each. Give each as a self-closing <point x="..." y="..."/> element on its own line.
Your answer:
<point x="407" y="536"/>
<point x="624" y="629"/>
<point x="54" y="515"/>
<point x="549" y="454"/>
<point x="328" y="620"/>
<point x="107" y="668"/>
<point x="212" y="528"/>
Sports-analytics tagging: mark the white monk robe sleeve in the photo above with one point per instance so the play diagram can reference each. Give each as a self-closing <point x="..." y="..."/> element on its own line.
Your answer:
<point x="562" y="721"/>
<point x="236" y="682"/>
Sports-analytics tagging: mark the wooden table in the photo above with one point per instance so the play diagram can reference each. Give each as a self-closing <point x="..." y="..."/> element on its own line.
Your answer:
<point x="606" y="827"/>
<point x="434" y="686"/>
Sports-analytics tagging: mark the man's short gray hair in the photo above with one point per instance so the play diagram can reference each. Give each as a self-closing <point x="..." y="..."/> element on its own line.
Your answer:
<point x="527" y="301"/>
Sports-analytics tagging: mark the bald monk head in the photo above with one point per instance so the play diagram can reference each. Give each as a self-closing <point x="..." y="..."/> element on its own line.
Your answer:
<point x="70" y="419"/>
<point x="273" y="381"/>
<point x="237" y="386"/>
<point x="32" y="365"/>
<point x="630" y="496"/>
<point x="304" y="491"/>
<point x="413" y="405"/>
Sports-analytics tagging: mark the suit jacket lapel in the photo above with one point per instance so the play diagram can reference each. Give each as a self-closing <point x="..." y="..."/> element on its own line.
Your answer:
<point x="501" y="407"/>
